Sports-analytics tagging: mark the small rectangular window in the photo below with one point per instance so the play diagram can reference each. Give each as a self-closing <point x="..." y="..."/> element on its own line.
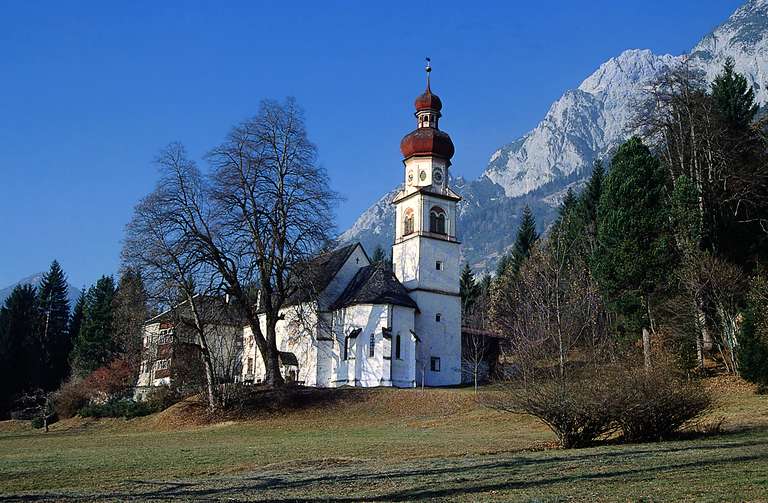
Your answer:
<point x="372" y="350"/>
<point x="439" y="265"/>
<point x="434" y="364"/>
<point x="437" y="317"/>
<point x="250" y="366"/>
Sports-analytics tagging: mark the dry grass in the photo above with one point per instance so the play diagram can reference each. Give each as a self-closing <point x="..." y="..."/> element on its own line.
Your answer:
<point x="372" y="444"/>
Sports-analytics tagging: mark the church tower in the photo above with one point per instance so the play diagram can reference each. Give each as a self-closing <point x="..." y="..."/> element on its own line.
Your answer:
<point x="425" y="253"/>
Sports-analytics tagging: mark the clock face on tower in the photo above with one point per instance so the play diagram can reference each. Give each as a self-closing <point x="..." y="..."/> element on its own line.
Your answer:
<point x="423" y="175"/>
<point x="437" y="175"/>
<point x="410" y="177"/>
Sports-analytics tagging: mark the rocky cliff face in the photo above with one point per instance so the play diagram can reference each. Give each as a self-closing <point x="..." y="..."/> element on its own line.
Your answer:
<point x="585" y="124"/>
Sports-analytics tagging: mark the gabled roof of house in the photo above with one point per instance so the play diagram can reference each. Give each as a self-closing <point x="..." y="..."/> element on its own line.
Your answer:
<point x="374" y="284"/>
<point x="212" y="309"/>
<point x="315" y="276"/>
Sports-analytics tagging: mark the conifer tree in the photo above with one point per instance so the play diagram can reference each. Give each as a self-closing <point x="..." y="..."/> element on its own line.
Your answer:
<point x="468" y="288"/>
<point x="590" y="198"/>
<point x="753" y="339"/>
<point x="53" y="326"/>
<point x="379" y="257"/>
<point x="569" y="202"/>
<point x="95" y="345"/>
<point x="634" y="256"/>
<point x="20" y="347"/>
<point x="485" y="284"/>
<point x="524" y="241"/>
<point x="76" y="318"/>
<point x="734" y="97"/>
<point x="503" y="264"/>
<point x="130" y="312"/>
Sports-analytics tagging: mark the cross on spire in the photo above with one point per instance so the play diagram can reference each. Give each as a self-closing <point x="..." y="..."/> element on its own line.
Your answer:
<point x="428" y="69"/>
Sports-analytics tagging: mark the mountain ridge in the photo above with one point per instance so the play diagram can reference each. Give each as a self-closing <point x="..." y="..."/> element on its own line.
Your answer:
<point x="586" y="123"/>
<point x="34" y="279"/>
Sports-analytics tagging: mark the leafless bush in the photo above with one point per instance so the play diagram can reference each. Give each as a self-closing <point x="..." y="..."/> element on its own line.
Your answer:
<point x="643" y="405"/>
<point x="654" y="405"/>
<point x="577" y="411"/>
<point x="70" y="398"/>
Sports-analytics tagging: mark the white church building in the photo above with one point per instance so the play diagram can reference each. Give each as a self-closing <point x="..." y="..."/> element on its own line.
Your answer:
<point x="376" y="326"/>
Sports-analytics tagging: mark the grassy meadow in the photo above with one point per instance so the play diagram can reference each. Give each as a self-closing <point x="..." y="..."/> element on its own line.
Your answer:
<point x="378" y="445"/>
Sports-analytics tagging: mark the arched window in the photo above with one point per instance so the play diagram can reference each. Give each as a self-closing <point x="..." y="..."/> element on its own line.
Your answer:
<point x="372" y="349"/>
<point x="346" y="348"/>
<point x="397" y="347"/>
<point x="408" y="222"/>
<point x="437" y="220"/>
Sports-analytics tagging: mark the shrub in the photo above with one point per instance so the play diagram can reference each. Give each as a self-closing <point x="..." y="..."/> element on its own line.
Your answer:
<point x="70" y="398"/>
<point x="753" y="350"/>
<point x="654" y="405"/>
<point x="577" y="411"/>
<point x="642" y="405"/>
<point x="161" y="397"/>
<point x="118" y="408"/>
<point x="114" y="379"/>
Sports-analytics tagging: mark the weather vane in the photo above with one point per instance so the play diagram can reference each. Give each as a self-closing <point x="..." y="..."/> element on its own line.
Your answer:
<point x="428" y="69"/>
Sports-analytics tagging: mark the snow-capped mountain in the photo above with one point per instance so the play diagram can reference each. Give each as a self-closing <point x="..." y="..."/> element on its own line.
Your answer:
<point x="585" y="124"/>
<point x="35" y="280"/>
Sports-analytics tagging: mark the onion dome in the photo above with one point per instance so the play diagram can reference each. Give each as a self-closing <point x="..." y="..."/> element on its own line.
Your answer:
<point x="428" y="101"/>
<point x="427" y="141"/>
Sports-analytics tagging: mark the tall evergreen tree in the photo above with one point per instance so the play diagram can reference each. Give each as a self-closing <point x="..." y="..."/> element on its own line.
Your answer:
<point x="53" y="326"/>
<point x="734" y="97"/>
<point x="524" y="241"/>
<point x="569" y="201"/>
<point x="503" y="264"/>
<point x="753" y="339"/>
<point x="634" y="256"/>
<point x="380" y="257"/>
<point x="95" y="345"/>
<point x="20" y="347"/>
<point x="485" y="284"/>
<point x="76" y="318"/>
<point x="468" y="288"/>
<point x="590" y="197"/>
<point x="130" y="312"/>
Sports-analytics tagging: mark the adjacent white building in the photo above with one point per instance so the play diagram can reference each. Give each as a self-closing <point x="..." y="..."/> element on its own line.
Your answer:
<point x="376" y="325"/>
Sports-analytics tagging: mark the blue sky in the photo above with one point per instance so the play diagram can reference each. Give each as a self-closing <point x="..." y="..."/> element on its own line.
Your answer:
<point x="90" y="91"/>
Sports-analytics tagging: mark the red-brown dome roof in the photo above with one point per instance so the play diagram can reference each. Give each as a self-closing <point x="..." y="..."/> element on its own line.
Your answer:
<point x="427" y="141"/>
<point x="428" y="101"/>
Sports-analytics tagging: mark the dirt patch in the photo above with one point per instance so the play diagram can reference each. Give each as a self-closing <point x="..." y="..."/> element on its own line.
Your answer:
<point x="14" y="426"/>
<point x="728" y="383"/>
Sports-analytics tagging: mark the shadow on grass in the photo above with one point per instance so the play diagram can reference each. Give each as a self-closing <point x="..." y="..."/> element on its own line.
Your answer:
<point x="255" y="400"/>
<point x="442" y="477"/>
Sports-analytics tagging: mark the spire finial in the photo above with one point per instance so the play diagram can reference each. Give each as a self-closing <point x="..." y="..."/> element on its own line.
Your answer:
<point x="428" y="69"/>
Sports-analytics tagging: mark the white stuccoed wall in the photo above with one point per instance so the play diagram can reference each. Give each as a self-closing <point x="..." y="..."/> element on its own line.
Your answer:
<point x="295" y="333"/>
<point x="435" y="291"/>
<point x="356" y="260"/>
<point x="403" y="369"/>
<point x="361" y="369"/>
<point x="441" y="339"/>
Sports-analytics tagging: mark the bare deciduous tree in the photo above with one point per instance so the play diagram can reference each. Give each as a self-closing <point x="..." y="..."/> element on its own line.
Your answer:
<point x="159" y="245"/>
<point x="272" y="211"/>
<point x="249" y="227"/>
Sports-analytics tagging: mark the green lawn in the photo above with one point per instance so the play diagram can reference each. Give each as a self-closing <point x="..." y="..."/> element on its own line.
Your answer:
<point x="379" y="445"/>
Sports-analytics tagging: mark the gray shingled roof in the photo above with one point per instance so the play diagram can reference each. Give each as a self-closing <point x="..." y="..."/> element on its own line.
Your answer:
<point x="213" y="309"/>
<point x="318" y="272"/>
<point x="374" y="285"/>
